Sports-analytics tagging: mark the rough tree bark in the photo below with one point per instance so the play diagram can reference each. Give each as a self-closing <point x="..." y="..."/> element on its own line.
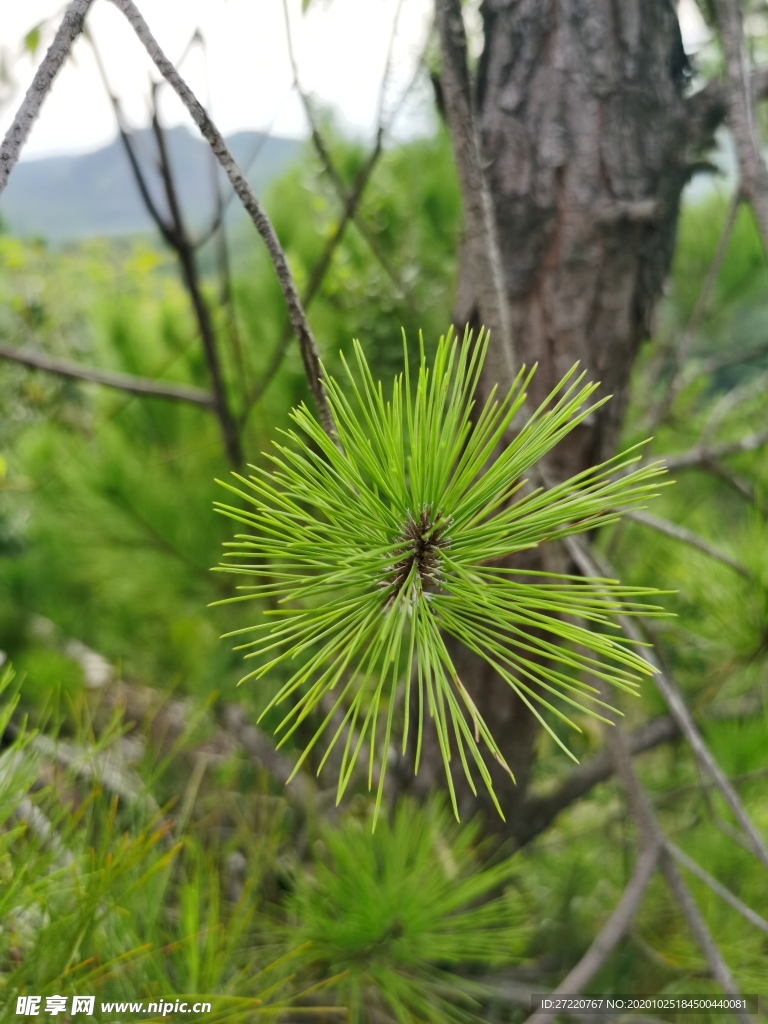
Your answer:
<point x="583" y="134"/>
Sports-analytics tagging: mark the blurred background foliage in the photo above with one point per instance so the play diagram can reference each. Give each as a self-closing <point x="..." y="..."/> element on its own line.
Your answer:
<point x="189" y="868"/>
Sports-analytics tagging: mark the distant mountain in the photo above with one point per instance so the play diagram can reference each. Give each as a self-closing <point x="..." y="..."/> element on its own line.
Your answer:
<point x="67" y="198"/>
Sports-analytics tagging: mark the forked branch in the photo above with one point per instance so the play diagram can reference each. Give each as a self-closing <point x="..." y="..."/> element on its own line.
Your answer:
<point x="261" y="221"/>
<point x="686" y="536"/>
<point x="592" y="565"/>
<point x="612" y="932"/>
<point x="108" y="378"/>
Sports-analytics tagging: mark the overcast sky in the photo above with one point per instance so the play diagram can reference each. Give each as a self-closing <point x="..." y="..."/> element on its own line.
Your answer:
<point x="341" y="48"/>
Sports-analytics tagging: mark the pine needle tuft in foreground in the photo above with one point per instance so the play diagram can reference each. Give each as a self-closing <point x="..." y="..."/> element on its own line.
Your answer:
<point x="380" y="548"/>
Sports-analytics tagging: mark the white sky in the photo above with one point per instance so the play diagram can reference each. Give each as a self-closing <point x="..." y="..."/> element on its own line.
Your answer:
<point x="340" y="46"/>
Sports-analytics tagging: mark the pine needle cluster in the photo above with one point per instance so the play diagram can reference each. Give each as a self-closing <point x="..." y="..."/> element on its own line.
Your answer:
<point x="374" y="547"/>
<point x="394" y="916"/>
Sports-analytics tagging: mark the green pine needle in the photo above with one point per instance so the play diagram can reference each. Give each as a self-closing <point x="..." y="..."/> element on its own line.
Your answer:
<point x="377" y="546"/>
<point x="397" y="915"/>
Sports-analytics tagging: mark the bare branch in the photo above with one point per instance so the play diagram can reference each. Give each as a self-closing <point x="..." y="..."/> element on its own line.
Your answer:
<point x="701" y="933"/>
<point x="17" y="135"/>
<point x="185" y="254"/>
<point x="702" y="301"/>
<point x="708" y="108"/>
<point x="325" y="157"/>
<point x="319" y="271"/>
<point x="222" y="204"/>
<point x="592" y="565"/>
<point x="688" y="537"/>
<point x="706" y="455"/>
<point x="164" y="228"/>
<point x="612" y="932"/>
<point x="741" y="113"/>
<point x="650" y="828"/>
<point x="725" y="894"/>
<point x="538" y="812"/>
<point x="479" y="217"/>
<point x="121" y="381"/>
<point x="176" y="237"/>
<point x="253" y="207"/>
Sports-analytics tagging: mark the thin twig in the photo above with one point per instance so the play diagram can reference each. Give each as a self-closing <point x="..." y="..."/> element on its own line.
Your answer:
<point x="225" y="199"/>
<point x="593" y="565"/>
<point x="17" y="135"/>
<point x="612" y="932"/>
<point x="325" y="157"/>
<point x="754" y="387"/>
<point x="251" y="204"/>
<point x="704" y="455"/>
<point x="185" y="254"/>
<point x="701" y="933"/>
<point x="176" y="237"/>
<point x="318" y="273"/>
<point x="742" y="119"/>
<point x="712" y="883"/>
<point x="125" y="137"/>
<point x="686" y="536"/>
<point x="224" y="263"/>
<point x="689" y="332"/>
<point x="350" y="199"/>
<point x="121" y="381"/>
<point x="649" y="826"/>
<point x="479" y="216"/>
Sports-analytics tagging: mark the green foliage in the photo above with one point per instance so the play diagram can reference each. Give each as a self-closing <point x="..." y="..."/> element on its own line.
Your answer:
<point x="88" y="887"/>
<point x="103" y="531"/>
<point x="393" y="538"/>
<point x="394" y="914"/>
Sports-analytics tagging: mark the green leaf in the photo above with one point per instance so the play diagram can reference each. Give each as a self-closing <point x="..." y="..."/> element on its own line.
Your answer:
<point x="32" y="39"/>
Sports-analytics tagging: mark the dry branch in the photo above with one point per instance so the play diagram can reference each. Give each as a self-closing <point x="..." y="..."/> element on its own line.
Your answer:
<point x="683" y="346"/>
<point x="121" y="381"/>
<point x="319" y="270"/>
<point x="688" y="537"/>
<point x="742" y="120"/>
<point x="17" y="135"/>
<point x="712" y="883"/>
<point x="650" y="829"/>
<point x="251" y="204"/>
<point x="591" y="565"/>
<point x="612" y="932"/>
<point x="705" y="455"/>
<point x="325" y="157"/>
<point x="176" y="237"/>
<point x="479" y="217"/>
<point x="185" y="253"/>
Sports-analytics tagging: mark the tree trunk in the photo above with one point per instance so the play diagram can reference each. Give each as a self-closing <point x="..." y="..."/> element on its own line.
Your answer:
<point x="582" y="126"/>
